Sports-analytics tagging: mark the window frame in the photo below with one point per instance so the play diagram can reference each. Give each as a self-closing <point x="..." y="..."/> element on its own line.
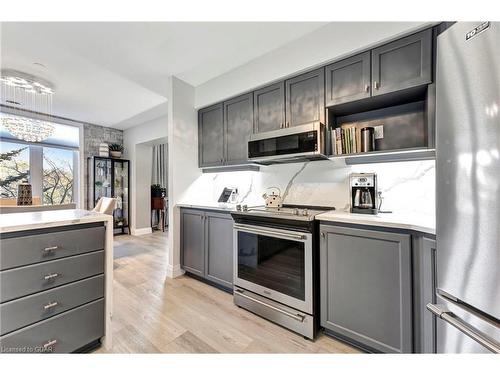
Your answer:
<point x="36" y="154"/>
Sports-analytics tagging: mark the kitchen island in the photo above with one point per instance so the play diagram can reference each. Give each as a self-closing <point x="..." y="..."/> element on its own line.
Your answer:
<point x="56" y="273"/>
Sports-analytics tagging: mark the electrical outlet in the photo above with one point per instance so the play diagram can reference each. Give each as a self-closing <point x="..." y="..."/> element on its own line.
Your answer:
<point x="379" y="131"/>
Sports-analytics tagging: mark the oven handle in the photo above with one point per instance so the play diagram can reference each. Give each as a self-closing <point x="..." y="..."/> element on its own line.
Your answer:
<point x="297" y="317"/>
<point x="251" y="229"/>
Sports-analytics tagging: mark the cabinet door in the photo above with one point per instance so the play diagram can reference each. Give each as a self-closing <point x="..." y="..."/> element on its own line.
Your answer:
<point x="403" y="63"/>
<point x="348" y="80"/>
<point x="269" y="107"/>
<point x="211" y="136"/>
<point x="219" y="245"/>
<point x="238" y="124"/>
<point x="424" y="287"/>
<point x="305" y="98"/>
<point x="192" y="241"/>
<point x="366" y="287"/>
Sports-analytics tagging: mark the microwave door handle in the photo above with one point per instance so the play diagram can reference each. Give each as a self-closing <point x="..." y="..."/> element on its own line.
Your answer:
<point x="449" y="317"/>
<point x="253" y="230"/>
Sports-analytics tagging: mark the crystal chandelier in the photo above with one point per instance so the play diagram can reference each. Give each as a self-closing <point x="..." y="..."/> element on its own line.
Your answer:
<point x="32" y="94"/>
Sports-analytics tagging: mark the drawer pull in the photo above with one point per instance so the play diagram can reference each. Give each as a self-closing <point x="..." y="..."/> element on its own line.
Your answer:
<point x="50" y="249"/>
<point x="49" y="344"/>
<point x="51" y="276"/>
<point x="50" y="305"/>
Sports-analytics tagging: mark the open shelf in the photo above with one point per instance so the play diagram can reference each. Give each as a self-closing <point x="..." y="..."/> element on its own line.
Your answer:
<point x="386" y="156"/>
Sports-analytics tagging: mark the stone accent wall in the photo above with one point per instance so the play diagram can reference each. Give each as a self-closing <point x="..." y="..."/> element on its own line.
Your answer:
<point x="93" y="136"/>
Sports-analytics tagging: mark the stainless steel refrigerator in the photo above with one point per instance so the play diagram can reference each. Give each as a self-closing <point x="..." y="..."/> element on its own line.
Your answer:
<point x="468" y="189"/>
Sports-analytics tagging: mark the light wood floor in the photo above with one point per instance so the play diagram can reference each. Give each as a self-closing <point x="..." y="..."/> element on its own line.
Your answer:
<point x="153" y="314"/>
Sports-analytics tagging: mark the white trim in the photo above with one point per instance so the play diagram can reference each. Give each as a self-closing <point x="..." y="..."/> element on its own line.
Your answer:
<point x="140" y="231"/>
<point x="174" y="271"/>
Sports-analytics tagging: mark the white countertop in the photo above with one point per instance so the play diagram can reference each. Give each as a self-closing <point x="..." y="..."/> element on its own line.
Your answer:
<point x="410" y="221"/>
<point x="14" y="222"/>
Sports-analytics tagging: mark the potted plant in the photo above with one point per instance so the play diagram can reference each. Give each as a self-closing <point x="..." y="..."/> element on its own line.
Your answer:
<point x="116" y="149"/>
<point x="156" y="191"/>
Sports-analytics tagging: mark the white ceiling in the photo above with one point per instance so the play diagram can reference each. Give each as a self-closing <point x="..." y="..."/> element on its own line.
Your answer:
<point x="115" y="74"/>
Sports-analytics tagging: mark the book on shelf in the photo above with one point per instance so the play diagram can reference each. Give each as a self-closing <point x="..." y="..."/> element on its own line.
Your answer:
<point x="347" y="140"/>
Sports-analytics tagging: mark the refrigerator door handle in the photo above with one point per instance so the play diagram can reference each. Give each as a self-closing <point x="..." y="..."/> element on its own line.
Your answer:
<point x="448" y="316"/>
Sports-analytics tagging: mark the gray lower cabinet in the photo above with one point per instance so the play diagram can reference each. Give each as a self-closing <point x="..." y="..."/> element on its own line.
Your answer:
<point x="219" y="248"/>
<point x="305" y="98"/>
<point x="52" y="289"/>
<point x="238" y="126"/>
<point x="348" y="80"/>
<point x="207" y="245"/>
<point x="269" y="107"/>
<point x="402" y="64"/>
<point x="365" y="281"/>
<point x="211" y="136"/>
<point x="193" y="241"/>
<point x="424" y="286"/>
<point x="63" y="333"/>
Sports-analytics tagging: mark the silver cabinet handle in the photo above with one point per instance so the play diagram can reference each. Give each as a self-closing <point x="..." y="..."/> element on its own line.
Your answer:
<point x="376" y="85"/>
<point x="443" y="313"/>
<point x="250" y="229"/>
<point x="50" y="305"/>
<point x="323" y="235"/>
<point x="282" y="126"/>
<point x="49" y="343"/>
<point x="298" y="317"/>
<point x="50" y="249"/>
<point x="367" y="88"/>
<point x="51" y="276"/>
<point x="287" y="124"/>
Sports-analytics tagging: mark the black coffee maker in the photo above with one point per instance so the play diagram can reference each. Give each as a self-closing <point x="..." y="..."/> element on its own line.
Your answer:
<point x="363" y="193"/>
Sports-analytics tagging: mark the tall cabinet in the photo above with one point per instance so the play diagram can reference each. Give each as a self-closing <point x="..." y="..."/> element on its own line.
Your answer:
<point x="109" y="177"/>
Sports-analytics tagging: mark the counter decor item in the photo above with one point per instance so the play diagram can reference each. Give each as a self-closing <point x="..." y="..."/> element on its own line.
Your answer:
<point x="367" y="139"/>
<point x="24" y="194"/>
<point x="104" y="150"/>
<point x="116" y="149"/>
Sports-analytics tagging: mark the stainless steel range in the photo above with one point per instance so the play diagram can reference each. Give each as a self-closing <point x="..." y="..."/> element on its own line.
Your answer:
<point x="275" y="270"/>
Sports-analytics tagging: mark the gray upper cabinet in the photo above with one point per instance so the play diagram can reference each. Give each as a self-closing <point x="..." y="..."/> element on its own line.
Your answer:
<point x="207" y="245"/>
<point x="192" y="241"/>
<point x="348" y="80"/>
<point x="305" y="98"/>
<point x="238" y="126"/>
<point x="269" y="107"/>
<point x="211" y="136"/>
<point x="365" y="286"/>
<point x="402" y="64"/>
<point x="219" y="245"/>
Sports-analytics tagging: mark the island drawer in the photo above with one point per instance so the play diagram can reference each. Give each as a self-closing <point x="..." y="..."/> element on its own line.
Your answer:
<point x="36" y="307"/>
<point x="29" y="247"/>
<point x="64" y="333"/>
<point x="19" y="282"/>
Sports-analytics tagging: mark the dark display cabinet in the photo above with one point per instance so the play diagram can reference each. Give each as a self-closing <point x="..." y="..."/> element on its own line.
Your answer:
<point x="110" y="178"/>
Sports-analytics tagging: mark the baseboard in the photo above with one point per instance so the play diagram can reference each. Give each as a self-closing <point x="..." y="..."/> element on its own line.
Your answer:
<point x="140" y="231"/>
<point x="174" y="271"/>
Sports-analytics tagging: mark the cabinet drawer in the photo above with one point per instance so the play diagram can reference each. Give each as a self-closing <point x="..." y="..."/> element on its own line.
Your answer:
<point x="22" y="281"/>
<point x="41" y="247"/>
<point x="63" y="333"/>
<point x="31" y="309"/>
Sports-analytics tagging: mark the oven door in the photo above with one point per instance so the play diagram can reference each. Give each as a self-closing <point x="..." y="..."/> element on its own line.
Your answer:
<point x="274" y="263"/>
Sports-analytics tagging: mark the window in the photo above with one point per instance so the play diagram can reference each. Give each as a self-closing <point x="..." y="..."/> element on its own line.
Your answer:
<point x="50" y="166"/>
<point x="58" y="179"/>
<point x="14" y="167"/>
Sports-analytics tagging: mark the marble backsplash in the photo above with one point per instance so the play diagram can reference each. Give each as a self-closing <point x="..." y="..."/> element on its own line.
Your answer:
<point x="406" y="186"/>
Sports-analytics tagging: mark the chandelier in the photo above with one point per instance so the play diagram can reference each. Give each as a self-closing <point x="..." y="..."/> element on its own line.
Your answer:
<point x="29" y="93"/>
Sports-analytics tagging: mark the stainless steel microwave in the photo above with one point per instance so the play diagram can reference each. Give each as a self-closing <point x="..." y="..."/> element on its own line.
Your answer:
<point x="297" y="143"/>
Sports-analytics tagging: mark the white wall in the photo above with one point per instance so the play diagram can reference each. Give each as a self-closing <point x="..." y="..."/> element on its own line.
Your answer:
<point x="137" y="143"/>
<point x="182" y="160"/>
<point x="329" y="42"/>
